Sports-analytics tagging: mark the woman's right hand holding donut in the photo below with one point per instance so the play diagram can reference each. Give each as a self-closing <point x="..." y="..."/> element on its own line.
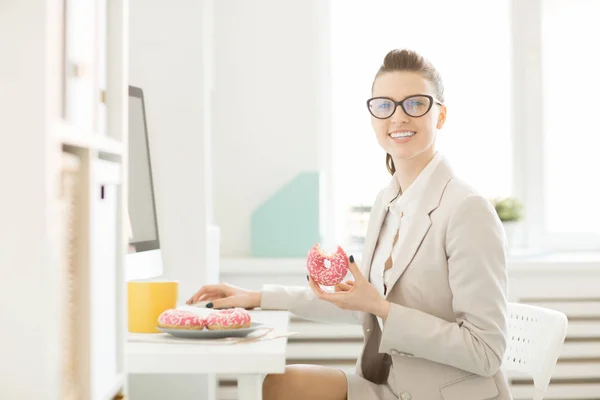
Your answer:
<point x="224" y="295"/>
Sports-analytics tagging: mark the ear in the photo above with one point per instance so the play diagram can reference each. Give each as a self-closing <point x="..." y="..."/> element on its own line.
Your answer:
<point x="441" y="118"/>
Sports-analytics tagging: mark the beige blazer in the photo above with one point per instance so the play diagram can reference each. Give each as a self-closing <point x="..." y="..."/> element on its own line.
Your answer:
<point x="446" y="330"/>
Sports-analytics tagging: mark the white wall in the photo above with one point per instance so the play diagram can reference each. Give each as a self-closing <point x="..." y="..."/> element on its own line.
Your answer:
<point x="167" y="61"/>
<point x="271" y="105"/>
<point x="269" y="109"/>
<point x="170" y="44"/>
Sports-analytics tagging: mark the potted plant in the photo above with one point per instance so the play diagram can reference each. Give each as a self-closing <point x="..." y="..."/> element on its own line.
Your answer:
<point x="510" y="212"/>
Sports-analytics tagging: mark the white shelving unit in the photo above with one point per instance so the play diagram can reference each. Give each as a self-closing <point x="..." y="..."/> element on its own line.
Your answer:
<point x="63" y="167"/>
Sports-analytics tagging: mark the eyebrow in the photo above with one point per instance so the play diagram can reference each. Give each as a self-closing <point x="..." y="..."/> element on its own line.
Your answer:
<point x="404" y="98"/>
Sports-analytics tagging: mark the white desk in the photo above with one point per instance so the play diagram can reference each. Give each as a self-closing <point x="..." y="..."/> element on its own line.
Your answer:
<point x="249" y="361"/>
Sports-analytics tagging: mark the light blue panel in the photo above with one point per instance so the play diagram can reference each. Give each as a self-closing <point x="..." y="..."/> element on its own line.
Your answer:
<point x="287" y="224"/>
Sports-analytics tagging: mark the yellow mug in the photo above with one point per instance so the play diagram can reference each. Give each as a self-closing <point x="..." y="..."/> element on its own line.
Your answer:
<point x="146" y="300"/>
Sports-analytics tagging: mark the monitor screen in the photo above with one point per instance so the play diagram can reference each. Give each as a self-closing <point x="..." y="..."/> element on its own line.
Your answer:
<point x="141" y="208"/>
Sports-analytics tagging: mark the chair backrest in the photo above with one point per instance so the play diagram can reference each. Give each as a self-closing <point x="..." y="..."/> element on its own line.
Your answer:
<point x="535" y="339"/>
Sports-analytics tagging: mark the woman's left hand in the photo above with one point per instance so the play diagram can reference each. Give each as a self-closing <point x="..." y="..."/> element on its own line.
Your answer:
<point x="362" y="296"/>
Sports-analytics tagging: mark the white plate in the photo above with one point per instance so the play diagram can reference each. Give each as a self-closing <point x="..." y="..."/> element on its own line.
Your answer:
<point x="208" y="334"/>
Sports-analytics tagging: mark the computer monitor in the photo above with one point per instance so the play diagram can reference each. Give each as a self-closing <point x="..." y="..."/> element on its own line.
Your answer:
<point x="144" y="259"/>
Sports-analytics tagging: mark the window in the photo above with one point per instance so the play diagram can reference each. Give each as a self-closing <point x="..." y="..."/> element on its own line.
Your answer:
<point x="522" y="92"/>
<point x="571" y="84"/>
<point x="473" y="57"/>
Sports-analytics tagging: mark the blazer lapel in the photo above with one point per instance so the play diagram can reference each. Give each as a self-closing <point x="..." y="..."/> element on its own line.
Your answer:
<point x="421" y="222"/>
<point x="414" y="238"/>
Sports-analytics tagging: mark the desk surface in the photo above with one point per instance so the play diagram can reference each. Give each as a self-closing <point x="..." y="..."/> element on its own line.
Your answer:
<point x="266" y="356"/>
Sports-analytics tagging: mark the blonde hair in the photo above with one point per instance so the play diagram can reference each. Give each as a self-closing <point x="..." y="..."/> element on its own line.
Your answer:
<point x="409" y="60"/>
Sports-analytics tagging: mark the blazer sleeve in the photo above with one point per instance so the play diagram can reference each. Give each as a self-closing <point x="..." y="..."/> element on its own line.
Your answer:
<point x="476" y="341"/>
<point x="302" y="302"/>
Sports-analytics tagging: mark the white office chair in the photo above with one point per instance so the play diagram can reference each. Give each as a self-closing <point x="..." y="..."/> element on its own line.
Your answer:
<point x="535" y="339"/>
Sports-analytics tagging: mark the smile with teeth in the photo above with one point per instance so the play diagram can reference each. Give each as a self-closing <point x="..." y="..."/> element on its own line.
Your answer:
<point x="400" y="135"/>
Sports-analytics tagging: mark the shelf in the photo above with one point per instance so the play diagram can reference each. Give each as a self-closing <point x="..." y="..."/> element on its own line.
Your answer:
<point x="72" y="136"/>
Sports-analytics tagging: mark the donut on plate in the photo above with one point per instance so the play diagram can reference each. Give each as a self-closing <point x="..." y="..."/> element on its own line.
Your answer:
<point x="181" y="319"/>
<point x="229" y="318"/>
<point x="327" y="269"/>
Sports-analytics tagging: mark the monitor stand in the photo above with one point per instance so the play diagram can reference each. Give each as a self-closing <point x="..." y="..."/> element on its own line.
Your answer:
<point x="143" y="265"/>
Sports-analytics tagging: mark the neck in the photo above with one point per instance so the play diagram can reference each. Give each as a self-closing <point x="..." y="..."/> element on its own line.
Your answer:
<point x="407" y="170"/>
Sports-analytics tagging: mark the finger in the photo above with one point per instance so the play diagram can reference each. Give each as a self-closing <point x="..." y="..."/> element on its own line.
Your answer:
<point x="349" y="282"/>
<point x="196" y="296"/>
<point x="191" y="300"/>
<point x="335" y="298"/>
<point x="210" y="296"/>
<point x="340" y="287"/>
<point x="315" y="287"/>
<point x="354" y="269"/>
<point x="204" y="290"/>
<point x="343" y="287"/>
<point x="227" y="302"/>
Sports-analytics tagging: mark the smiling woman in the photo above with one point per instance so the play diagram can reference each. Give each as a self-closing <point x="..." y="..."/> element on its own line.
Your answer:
<point x="425" y="219"/>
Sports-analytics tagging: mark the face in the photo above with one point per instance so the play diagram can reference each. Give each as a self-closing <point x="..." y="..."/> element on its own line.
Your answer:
<point x="395" y="134"/>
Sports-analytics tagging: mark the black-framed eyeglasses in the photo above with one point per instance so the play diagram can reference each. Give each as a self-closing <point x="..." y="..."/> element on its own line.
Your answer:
<point x="415" y="106"/>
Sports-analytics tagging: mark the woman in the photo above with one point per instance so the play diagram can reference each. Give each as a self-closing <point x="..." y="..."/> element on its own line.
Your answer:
<point x="431" y="291"/>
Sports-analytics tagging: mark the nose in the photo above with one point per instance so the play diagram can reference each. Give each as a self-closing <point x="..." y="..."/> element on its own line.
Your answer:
<point x="399" y="116"/>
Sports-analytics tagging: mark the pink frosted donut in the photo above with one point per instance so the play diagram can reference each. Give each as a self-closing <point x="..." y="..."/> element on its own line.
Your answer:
<point x="181" y="319"/>
<point x="230" y="318"/>
<point x="327" y="269"/>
